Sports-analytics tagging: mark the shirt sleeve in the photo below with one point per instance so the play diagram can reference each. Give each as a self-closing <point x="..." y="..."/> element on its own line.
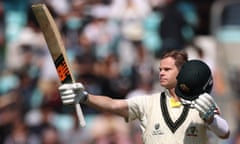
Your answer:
<point x="136" y="108"/>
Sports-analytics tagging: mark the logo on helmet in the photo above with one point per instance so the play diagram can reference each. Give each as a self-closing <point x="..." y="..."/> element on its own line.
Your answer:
<point x="184" y="88"/>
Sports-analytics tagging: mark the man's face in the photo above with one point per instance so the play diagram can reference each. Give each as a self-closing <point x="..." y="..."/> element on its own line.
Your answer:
<point x="168" y="73"/>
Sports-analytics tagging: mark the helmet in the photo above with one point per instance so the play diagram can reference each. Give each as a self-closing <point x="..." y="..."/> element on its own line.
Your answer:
<point x="194" y="79"/>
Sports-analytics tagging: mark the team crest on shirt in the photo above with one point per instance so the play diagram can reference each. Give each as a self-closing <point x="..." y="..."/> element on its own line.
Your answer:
<point x="192" y="131"/>
<point x="157" y="130"/>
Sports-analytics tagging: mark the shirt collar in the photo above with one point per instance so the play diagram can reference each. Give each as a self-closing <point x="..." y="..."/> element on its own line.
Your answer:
<point x="173" y="103"/>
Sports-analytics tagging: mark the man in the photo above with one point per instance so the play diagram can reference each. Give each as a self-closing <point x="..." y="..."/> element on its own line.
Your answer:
<point x="164" y="117"/>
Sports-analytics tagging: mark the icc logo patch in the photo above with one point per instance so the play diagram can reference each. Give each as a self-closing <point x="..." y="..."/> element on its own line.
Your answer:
<point x="157" y="130"/>
<point x="157" y="126"/>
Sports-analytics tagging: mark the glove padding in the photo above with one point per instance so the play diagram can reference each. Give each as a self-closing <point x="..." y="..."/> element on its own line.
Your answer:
<point x="73" y="93"/>
<point x="206" y="106"/>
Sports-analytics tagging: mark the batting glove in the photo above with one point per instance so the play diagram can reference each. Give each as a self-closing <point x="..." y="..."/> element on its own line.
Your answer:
<point x="206" y="107"/>
<point x="73" y="93"/>
<point x="187" y="103"/>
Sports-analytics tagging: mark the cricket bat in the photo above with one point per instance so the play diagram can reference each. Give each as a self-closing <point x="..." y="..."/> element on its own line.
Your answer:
<point x="56" y="48"/>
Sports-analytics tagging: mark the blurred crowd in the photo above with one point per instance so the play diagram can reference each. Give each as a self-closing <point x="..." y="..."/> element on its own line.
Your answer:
<point x="113" y="47"/>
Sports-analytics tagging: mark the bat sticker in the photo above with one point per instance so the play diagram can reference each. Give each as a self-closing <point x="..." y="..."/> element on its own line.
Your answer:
<point x="62" y="70"/>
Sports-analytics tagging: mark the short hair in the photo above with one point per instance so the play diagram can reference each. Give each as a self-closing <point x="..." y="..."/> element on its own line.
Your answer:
<point x="180" y="57"/>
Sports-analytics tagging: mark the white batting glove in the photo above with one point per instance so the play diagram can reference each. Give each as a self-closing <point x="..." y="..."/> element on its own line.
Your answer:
<point x="73" y="93"/>
<point x="206" y="107"/>
<point x="187" y="103"/>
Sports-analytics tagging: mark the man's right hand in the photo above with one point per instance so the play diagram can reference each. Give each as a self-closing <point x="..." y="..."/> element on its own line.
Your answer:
<point x="73" y="93"/>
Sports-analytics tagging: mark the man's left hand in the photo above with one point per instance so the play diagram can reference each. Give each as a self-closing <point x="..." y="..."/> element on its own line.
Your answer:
<point x="206" y="106"/>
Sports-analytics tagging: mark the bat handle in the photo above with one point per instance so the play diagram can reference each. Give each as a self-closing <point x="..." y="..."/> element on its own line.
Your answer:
<point x="80" y="115"/>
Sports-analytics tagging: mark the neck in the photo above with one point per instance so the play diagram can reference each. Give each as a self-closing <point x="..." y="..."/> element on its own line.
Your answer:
<point x="173" y="94"/>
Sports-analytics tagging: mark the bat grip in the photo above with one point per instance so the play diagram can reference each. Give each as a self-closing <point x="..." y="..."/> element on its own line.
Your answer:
<point x="80" y="115"/>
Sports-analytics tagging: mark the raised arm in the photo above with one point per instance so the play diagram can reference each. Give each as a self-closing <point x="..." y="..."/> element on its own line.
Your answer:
<point x="73" y="93"/>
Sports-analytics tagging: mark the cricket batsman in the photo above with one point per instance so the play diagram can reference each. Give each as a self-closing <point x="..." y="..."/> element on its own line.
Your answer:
<point x="180" y="114"/>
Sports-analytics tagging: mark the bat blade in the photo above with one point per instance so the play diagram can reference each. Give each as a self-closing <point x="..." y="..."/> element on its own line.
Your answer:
<point x="54" y="42"/>
<point x="56" y="48"/>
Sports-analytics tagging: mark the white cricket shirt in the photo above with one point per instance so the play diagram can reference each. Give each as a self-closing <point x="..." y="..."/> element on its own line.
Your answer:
<point x="162" y="124"/>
